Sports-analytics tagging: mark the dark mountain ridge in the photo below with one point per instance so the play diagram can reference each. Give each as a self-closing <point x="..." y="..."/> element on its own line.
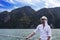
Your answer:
<point x="26" y="17"/>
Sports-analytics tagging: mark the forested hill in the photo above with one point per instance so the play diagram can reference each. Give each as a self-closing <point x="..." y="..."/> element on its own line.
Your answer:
<point x="26" y="17"/>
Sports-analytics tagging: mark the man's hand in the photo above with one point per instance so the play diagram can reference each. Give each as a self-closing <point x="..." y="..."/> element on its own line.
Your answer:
<point x="33" y="33"/>
<point x="26" y="38"/>
<point x="48" y="38"/>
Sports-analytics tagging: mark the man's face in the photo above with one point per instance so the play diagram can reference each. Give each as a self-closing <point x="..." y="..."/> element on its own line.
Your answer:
<point x="42" y="21"/>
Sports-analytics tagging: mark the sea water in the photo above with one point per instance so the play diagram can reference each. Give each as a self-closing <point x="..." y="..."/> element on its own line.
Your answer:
<point x="20" y="34"/>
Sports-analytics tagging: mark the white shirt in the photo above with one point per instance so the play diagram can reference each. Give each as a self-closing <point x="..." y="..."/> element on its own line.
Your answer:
<point x="44" y="32"/>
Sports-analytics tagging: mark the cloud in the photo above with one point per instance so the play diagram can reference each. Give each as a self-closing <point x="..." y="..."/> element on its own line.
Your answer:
<point x="15" y="7"/>
<point x="52" y="3"/>
<point x="10" y="1"/>
<point x="1" y="9"/>
<point x="35" y="4"/>
<point x="9" y="10"/>
<point x="48" y="4"/>
<point x="30" y="2"/>
<point x="1" y="5"/>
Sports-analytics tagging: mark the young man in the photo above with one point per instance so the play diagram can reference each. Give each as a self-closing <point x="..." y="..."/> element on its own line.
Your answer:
<point x="43" y="29"/>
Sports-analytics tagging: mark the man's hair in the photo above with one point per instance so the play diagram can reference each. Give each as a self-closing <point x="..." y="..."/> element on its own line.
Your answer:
<point x="44" y="17"/>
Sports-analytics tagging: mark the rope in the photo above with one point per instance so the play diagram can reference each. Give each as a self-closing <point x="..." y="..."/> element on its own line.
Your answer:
<point x="18" y="37"/>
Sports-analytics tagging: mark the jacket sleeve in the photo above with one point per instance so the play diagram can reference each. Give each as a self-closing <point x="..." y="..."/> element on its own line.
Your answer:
<point x="49" y="31"/>
<point x="37" y="29"/>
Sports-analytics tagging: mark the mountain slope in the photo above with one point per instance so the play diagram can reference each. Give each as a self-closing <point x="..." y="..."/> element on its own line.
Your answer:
<point x="26" y="17"/>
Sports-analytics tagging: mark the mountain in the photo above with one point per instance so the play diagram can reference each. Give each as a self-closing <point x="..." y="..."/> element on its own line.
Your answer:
<point x="53" y="15"/>
<point x="22" y="17"/>
<point x="56" y="13"/>
<point x="19" y="18"/>
<point x="48" y="13"/>
<point x="26" y="17"/>
<point x="4" y="19"/>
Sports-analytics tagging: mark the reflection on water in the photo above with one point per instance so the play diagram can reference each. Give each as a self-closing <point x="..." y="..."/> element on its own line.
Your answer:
<point x="20" y="34"/>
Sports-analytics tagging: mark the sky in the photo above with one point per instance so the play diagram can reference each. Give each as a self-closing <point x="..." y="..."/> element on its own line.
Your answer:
<point x="8" y="5"/>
